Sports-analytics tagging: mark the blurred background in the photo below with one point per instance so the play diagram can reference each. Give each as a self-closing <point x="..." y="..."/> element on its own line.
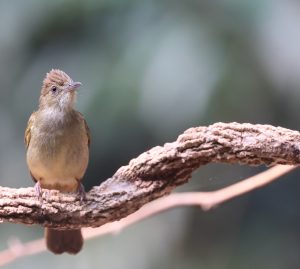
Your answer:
<point x="151" y="69"/>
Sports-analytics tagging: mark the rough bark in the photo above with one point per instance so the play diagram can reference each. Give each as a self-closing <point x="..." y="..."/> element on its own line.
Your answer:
<point x="153" y="174"/>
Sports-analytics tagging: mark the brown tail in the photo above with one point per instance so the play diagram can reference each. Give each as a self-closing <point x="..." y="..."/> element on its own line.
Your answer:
<point x="69" y="241"/>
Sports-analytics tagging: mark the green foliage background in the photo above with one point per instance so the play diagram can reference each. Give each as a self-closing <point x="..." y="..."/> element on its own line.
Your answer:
<point x="151" y="69"/>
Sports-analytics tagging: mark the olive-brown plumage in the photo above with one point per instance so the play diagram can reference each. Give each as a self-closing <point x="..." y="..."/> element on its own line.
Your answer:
<point x="57" y="140"/>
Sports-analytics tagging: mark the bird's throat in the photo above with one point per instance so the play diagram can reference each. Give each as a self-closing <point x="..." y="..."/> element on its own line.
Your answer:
<point x="56" y="116"/>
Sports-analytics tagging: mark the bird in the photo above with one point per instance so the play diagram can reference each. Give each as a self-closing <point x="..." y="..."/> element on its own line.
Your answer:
<point x="57" y="140"/>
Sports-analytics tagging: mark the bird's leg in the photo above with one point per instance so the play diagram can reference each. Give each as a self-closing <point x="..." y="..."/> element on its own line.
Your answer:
<point x="38" y="191"/>
<point x="81" y="191"/>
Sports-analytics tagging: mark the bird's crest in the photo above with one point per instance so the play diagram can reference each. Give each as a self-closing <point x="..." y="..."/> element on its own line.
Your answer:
<point x="55" y="77"/>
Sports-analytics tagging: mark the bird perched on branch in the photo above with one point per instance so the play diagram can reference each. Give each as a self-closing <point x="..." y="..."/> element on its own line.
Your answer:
<point x="57" y="139"/>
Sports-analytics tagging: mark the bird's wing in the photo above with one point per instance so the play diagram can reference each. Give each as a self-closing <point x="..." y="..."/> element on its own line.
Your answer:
<point x="27" y="135"/>
<point x="88" y="132"/>
<point x="87" y="129"/>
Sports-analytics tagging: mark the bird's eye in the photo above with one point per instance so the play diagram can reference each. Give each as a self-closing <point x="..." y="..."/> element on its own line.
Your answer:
<point x="53" y="89"/>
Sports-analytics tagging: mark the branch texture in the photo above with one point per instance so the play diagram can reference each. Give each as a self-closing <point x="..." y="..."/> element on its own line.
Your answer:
<point x="153" y="174"/>
<point x="205" y="200"/>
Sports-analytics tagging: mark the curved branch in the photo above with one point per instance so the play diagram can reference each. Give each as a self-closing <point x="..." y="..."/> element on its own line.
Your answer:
<point x="205" y="200"/>
<point x="153" y="174"/>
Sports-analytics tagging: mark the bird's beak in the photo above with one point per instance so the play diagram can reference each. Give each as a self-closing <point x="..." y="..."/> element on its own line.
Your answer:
<point x="73" y="86"/>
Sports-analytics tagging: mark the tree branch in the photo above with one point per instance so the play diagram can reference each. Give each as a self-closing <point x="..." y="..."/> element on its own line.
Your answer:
<point x="153" y="174"/>
<point x="206" y="200"/>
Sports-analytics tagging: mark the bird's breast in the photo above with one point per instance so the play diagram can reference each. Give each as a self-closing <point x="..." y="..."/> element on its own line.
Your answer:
<point x="58" y="154"/>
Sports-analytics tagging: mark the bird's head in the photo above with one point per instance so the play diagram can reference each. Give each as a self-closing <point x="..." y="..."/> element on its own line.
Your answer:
<point x="58" y="91"/>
